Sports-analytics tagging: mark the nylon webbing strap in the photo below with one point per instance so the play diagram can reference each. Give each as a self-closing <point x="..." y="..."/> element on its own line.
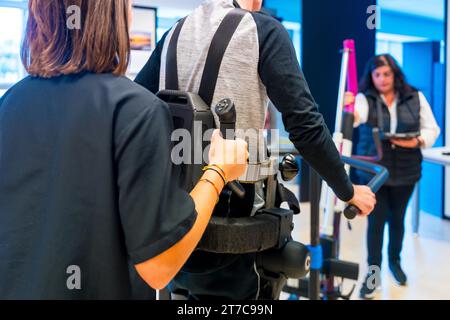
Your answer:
<point x="217" y="49"/>
<point x="219" y="45"/>
<point x="171" y="60"/>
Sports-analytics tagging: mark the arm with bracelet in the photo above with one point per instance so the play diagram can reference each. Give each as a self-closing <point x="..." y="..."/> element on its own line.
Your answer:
<point x="159" y="271"/>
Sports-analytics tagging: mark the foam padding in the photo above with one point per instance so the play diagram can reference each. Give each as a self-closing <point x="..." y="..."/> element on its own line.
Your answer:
<point x="241" y="235"/>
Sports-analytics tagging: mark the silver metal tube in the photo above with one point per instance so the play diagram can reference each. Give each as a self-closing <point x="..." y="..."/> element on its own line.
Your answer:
<point x="342" y="89"/>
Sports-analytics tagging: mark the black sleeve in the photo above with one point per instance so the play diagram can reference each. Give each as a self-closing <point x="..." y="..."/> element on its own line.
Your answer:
<point x="155" y="213"/>
<point x="148" y="77"/>
<point x="287" y="89"/>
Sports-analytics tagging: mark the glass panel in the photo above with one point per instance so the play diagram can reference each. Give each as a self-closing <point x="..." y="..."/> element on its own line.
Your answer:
<point x="11" y="19"/>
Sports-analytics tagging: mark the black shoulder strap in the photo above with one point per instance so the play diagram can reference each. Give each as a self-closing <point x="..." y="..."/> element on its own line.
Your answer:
<point x="285" y="195"/>
<point x="171" y="60"/>
<point x="217" y="49"/>
<point x="219" y="45"/>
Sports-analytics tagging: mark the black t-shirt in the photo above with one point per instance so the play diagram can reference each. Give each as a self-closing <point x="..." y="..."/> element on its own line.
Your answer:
<point x="86" y="187"/>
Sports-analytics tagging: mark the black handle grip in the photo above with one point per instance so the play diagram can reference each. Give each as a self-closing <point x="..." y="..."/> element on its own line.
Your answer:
<point x="227" y="131"/>
<point x="351" y="212"/>
<point x="226" y="111"/>
<point x="381" y="176"/>
<point x="237" y="189"/>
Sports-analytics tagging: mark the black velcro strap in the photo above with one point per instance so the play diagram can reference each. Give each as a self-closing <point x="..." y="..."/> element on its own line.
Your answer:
<point x="172" y="60"/>
<point x="219" y="45"/>
<point x="285" y="195"/>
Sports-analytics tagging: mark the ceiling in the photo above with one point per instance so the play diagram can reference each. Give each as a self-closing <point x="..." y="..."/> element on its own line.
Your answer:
<point x="425" y="8"/>
<point x="171" y="8"/>
<point x="172" y="4"/>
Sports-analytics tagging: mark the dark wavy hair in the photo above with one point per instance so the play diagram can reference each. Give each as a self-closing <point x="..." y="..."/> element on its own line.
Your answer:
<point x="401" y="86"/>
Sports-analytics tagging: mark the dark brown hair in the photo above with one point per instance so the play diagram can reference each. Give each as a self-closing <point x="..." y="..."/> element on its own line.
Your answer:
<point x="401" y="86"/>
<point x="101" y="44"/>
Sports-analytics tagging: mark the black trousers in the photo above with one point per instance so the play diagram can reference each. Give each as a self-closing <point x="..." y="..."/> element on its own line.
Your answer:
<point x="391" y="208"/>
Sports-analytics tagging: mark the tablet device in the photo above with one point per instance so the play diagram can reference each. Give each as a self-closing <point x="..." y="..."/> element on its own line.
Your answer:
<point x="401" y="136"/>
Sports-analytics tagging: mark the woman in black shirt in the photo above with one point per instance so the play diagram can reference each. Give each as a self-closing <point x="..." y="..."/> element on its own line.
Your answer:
<point x="86" y="178"/>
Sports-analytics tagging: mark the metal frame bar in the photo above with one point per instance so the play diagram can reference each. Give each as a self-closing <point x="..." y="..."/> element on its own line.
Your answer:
<point x="314" y="275"/>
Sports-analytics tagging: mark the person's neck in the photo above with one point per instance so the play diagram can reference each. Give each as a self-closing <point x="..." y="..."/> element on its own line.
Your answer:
<point x="389" y="97"/>
<point x="244" y="4"/>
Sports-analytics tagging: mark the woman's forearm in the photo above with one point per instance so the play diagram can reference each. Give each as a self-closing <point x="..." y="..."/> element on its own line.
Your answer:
<point x="204" y="194"/>
<point x="159" y="271"/>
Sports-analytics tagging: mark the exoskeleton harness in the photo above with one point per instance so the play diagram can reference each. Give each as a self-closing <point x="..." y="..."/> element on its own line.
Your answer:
<point x="268" y="232"/>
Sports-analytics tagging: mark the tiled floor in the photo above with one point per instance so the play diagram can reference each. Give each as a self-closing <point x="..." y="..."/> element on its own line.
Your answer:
<point x="426" y="259"/>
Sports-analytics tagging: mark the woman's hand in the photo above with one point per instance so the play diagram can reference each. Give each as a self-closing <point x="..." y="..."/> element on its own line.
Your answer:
<point x="230" y="155"/>
<point x="409" y="143"/>
<point x="349" y="98"/>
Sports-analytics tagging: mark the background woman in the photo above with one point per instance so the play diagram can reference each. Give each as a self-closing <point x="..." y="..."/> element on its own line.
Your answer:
<point x="388" y="102"/>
